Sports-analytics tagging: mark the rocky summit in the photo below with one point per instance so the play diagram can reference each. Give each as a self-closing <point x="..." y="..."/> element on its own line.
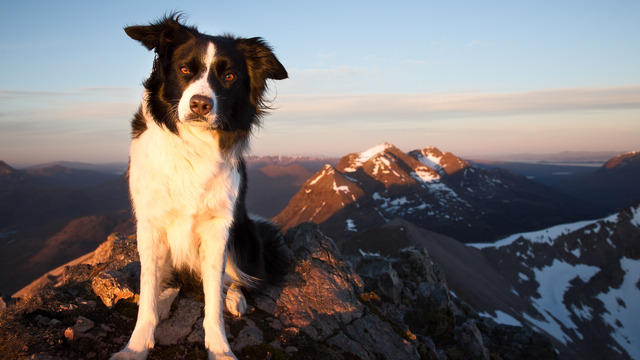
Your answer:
<point x="329" y="307"/>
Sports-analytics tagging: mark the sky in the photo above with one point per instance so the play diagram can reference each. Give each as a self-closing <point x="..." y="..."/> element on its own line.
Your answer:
<point x="469" y="77"/>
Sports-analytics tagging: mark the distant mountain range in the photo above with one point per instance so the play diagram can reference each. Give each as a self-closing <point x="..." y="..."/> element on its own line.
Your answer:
<point x="564" y="157"/>
<point x="609" y="188"/>
<point x="606" y="188"/>
<point x="52" y="214"/>
<point x="433" y="189"/>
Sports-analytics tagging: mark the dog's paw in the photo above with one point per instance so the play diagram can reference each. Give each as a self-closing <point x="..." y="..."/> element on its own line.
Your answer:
<point x="235" y="301"/>
<point x="127" y="354"/>
<point x="165" y="301"/>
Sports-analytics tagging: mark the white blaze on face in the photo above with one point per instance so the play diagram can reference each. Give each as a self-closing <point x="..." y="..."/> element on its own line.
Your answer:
<point x="200" y="86"/>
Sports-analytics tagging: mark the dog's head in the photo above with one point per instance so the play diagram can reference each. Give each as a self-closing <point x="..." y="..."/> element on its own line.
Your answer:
<point x="217" y="82"/>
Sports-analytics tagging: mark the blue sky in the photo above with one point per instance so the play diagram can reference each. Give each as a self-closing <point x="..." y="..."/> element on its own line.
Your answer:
<point x="470" y="77"/>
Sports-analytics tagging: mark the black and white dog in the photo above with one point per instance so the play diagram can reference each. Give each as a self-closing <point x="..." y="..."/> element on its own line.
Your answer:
<point x="187" y="175"/>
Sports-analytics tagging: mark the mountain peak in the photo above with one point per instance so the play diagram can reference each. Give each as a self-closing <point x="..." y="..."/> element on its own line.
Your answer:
<point x="5" y="168"/>
<point x="352" y="162"/>
<point x="388" y="165"/>
<point x="320" y="197"/>
<point x="52" y="170"/>
<point x="445" y="163"/>
<point x="623" y="160"/>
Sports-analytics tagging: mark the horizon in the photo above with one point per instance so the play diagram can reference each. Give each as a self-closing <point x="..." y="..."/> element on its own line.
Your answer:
<point x="477" y="80"/>
<point x="585" y="158"/>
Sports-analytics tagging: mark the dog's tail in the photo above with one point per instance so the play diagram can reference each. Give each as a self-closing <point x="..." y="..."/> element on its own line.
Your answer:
<point x="256" y="253"/>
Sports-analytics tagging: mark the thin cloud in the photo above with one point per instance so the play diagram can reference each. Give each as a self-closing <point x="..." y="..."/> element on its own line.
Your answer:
<point x="115" y="90"/>
<point x="465" y="104"/>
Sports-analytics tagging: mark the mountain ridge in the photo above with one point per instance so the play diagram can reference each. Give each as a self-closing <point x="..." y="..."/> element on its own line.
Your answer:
<point x="611" y="187"/>
<point x="435" y="189"/>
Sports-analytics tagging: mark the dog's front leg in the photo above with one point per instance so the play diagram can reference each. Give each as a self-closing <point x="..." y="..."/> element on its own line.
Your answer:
<point x="154" y="260"/>
<point x="213" y="235"/>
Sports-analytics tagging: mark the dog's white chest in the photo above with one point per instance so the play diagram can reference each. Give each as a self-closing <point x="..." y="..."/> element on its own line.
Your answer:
<point x="178" y="181"/>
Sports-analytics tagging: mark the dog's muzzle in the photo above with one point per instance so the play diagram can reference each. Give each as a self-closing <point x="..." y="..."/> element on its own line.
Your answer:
<point x="201" y="105"/>
<point x="201" y="114"/>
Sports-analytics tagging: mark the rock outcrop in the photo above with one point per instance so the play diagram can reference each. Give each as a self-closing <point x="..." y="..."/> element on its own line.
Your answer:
<point x="328" y="307"/>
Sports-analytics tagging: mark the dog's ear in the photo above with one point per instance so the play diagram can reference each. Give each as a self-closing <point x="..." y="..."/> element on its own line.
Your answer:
<point x="261" y="61"/>
<point x="164" y="33"/>
<point x="262" y="64"/>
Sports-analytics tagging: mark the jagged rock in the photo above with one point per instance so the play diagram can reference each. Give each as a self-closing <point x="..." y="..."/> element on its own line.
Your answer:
<point x="79" y="329"/>
<point x="322" y="296"/>
<point x="379" y="274"/>
<point x="414" y="263"/>
<point x="180" y="323"/>
<point x="111" y="286"/>
<point x="350" y="346"/>
<point x="379" y="339"/>
<point x="514" y="342"/>
<point x="83" y="324"/>
<point x="250" y="335"/>
<point x="444" y="325"/>
<point x="469" y="335"/>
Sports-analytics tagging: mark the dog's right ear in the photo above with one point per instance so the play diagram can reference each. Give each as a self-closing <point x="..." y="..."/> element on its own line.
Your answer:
<point x="164" y="33"/>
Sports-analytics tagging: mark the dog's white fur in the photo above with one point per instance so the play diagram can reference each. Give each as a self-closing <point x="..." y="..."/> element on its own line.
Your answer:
<point x="184" y="192"/>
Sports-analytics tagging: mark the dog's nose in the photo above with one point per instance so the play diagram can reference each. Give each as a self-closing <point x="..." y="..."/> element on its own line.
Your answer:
<point x="201" y="104"/>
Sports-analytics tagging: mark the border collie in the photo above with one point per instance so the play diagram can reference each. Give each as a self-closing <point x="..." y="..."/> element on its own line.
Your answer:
<point x="187" y="176"/>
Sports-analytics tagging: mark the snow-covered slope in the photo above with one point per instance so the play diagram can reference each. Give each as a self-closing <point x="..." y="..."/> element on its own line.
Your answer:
<point x="583" y="279"/>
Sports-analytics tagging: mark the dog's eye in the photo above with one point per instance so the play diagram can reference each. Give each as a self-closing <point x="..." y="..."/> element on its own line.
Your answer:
<point x="185" y="70"/>
<point x="229" y="77"/>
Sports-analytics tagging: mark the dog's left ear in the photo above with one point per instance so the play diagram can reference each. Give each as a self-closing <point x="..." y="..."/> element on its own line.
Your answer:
<point x="163" y="34"/>
<point x="261" y="61"/>
<point x="262" y="64"/>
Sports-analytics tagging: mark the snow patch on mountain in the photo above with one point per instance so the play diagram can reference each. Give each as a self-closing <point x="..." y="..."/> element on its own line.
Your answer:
<point x="541" y="236"/>
<point x="326" y="170"/>
<point x="366" y="155"/>
<point x="554" y="281"/>
<point x="445" y="192"/>
<point x="425" y="175"/>
<point x="383" y="166"/>
<point x="351" y="226"/>
<point x="623" y="315"/>
<point x="430" y="160"/>
<point x="339" y="189"/>
<point x="503" y="318"/>
<point x="398" y="205"/>
<point x="635" y="220"/>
